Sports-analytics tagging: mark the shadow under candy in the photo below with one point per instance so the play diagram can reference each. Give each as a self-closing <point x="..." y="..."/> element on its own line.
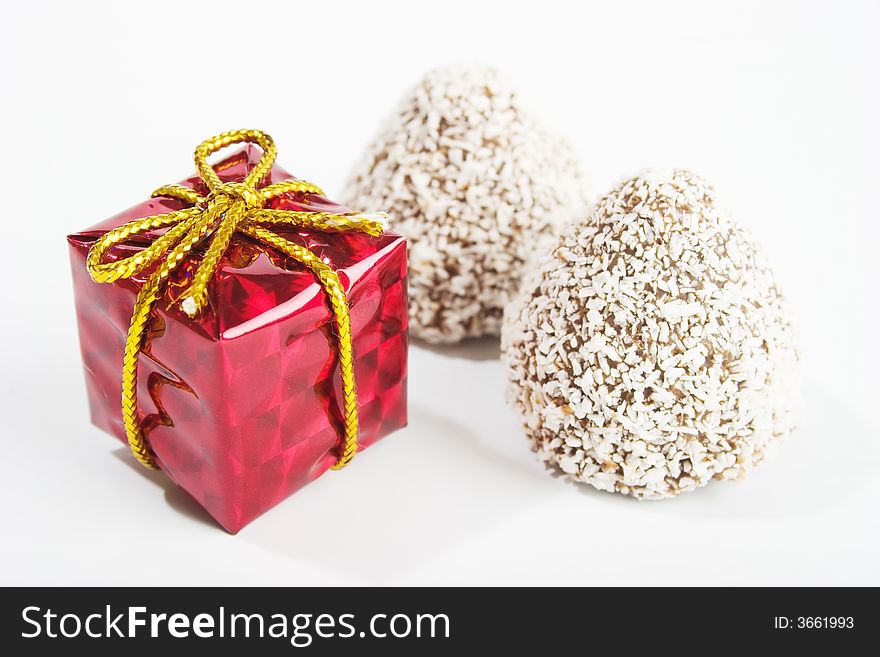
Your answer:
<point x="477" y="349"/>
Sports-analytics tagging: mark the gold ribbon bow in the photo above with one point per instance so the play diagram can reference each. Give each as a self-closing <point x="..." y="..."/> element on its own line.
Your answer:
<point x="228" y="208"/>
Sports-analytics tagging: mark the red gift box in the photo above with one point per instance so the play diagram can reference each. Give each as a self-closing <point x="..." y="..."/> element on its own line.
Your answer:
<point x="241" y="405"/>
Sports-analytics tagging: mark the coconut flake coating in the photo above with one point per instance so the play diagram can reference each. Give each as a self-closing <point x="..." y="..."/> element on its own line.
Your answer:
<point x="651" y="352"/>
<point x="476" y="186"/>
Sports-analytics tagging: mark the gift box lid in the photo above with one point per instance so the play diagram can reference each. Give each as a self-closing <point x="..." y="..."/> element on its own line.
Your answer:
<point x="253" y="285"/>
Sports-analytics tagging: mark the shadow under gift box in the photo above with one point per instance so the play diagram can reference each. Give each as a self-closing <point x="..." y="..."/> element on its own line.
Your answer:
<point x="242" y="405"/>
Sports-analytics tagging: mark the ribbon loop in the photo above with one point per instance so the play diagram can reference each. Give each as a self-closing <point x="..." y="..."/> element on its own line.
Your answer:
<point x="218" y="142"/>
<point x="229" y="208"/>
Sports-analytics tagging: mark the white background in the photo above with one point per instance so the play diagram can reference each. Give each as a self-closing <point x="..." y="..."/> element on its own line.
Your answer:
<point x="778" y="104"/>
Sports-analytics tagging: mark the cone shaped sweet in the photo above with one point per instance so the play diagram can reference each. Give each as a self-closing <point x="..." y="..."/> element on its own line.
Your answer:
<point x="651" y="350"/>
<point x="476" y="186"/>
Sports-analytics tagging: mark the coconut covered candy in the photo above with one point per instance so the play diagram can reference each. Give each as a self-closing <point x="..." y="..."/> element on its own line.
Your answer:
<point x="651" y="351"/>
<point x="476" y="186"/>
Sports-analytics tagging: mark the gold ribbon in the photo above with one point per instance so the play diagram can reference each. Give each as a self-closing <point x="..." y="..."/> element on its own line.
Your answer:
<point x="229" y="208"/>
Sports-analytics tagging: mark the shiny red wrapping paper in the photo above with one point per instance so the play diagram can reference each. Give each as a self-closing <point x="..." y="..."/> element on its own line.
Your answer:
<point x="242" y="405"/>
